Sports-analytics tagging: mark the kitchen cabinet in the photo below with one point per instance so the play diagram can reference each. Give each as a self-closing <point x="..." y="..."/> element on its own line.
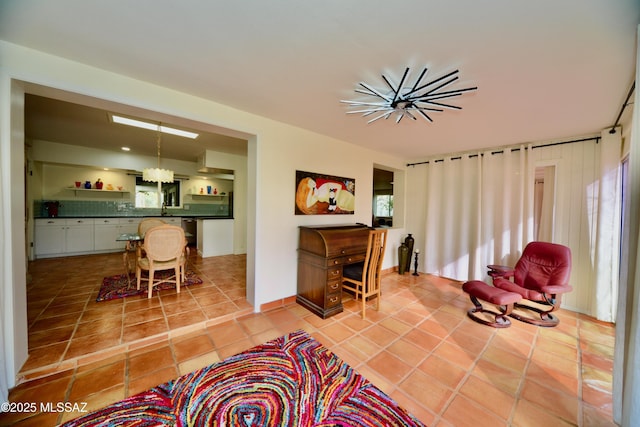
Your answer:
<point x="107" y="230"/>
<point x="50" y="236"/>
<point x="55" y="236"/>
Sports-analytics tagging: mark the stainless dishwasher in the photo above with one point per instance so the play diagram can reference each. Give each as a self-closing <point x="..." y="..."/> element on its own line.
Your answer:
<point x="190" y="225"/>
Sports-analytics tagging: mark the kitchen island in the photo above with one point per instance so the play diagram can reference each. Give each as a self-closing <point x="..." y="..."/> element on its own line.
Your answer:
<point x="215" y="236"/>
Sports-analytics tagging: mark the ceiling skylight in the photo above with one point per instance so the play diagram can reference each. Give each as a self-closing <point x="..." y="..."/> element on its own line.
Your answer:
<point x="152" y="126"/>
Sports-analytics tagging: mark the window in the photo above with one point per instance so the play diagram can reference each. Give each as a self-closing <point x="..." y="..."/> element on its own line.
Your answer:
<point x="383" y="205"/>
<point x="147" y="194"/>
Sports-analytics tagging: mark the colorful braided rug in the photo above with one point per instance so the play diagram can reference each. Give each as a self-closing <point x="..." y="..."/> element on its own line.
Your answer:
<point x="119" y="287"/>
<point x="290" y="381"/>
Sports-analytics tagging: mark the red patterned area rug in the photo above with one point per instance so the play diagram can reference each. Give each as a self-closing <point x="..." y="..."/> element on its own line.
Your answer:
<point x="118" y="287"/>
<point x="290" y="381"/>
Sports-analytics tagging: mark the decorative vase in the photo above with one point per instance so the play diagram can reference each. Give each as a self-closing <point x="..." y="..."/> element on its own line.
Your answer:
<point x="403" y="258"/>
<point x="409" y="241"/>
<point x="87" y="185"/>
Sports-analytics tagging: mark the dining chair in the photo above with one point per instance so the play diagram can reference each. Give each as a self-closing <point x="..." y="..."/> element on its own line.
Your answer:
<point x="363" y="278"/>
<point x="148" y="223"/>
<point x="164" y="249"/>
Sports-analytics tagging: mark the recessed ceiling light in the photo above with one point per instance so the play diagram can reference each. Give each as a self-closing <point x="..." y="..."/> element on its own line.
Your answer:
<point x="125" y="148"/>
<point x="152" y="126"/>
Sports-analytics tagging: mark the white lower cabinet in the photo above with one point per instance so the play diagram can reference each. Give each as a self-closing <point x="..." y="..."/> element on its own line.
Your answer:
<point x="107" y="230"/>
<point x="50" y="235"/>
<point x="106" y="233"/>
<point x="55" y="236"/>
<point x="60" y="237"/>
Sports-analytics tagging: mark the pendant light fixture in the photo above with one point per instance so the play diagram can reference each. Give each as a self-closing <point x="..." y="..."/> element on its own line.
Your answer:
<point x="404" y="100"/>
<point x="157" y="174"/>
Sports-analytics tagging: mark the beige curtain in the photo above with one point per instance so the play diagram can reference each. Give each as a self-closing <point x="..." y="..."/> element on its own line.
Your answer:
<point x="483" y="212"/>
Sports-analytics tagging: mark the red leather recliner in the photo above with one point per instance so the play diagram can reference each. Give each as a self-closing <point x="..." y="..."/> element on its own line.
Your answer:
<point x="540" y="276"/>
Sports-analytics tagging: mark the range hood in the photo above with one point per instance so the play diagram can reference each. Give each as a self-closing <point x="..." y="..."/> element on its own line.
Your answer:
<point x="204" y="162"/>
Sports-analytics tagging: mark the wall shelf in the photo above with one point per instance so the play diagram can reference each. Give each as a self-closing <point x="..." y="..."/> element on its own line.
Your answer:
<point x="218" y="196"/>
<point x="94" y="190"/>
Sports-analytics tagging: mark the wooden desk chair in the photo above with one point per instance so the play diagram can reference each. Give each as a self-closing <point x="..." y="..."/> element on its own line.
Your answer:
<point x="363" y="279"/>
<point x="164" y="249"/>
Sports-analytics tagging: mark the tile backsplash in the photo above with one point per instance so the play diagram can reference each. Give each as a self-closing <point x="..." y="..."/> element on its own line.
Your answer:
<point x="90" y="208"/>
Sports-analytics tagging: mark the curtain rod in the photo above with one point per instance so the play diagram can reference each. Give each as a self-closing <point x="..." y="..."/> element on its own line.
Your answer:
<point x="596" y="138"/>
<point x="626" y="102"/>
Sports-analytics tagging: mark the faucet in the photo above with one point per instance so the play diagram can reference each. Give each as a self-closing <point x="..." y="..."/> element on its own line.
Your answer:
<point x="163" y="211"/>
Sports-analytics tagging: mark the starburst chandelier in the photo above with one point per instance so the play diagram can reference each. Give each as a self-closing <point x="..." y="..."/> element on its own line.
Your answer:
<point x="410" y="101"/>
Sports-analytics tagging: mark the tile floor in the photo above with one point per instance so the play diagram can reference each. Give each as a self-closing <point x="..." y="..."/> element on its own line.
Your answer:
<point x="420" y="348"/>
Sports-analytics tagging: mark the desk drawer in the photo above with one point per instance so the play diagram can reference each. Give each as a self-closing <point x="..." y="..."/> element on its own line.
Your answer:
<point x="333" y="286"/>
<point x="347" y="259"/>
<point x="332" y="300"/>
<point x="334" y="273"/>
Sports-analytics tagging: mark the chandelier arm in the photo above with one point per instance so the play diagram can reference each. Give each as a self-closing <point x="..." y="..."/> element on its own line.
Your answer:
<point x="375" y="92"/>
<point x="369" y="110"/>
<point x="399" y="88"/>
<point x="424" y="71"/>
<point x="447" y="94"/>
<point x="437" y="110"/>
<point x="384" y="115"/>
<point x="431" y="82"/>
<point x="365" y="92"/>
<point x="425" y="115"/>
<point x="440" y="86"/>
<point x="373" y="104"/>
<point x="455" y="107"/>
<point x="408" y="113"/>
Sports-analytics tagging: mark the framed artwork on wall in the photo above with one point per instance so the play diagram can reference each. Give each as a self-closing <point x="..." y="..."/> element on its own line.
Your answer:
<point x="318" y="194"/>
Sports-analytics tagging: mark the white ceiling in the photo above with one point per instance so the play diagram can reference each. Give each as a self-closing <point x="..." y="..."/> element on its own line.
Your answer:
<point x="544" y="69"/>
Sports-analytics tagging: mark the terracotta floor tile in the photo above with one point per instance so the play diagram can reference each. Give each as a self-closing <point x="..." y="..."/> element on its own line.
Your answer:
<point x="92" y="343"/>
<point x="191" y="347"/>
<point x="447" y="373"/>
<point x="186" y="318"/>
<point x="389" y="366"/>
<point x="420" y="347"/>
<point x="424" y="340"/>
<point x="553" y="379"/>
<point x="464" y="412"/>
<point x="500" y="377"/>
<point x="198" y="362"/>
<point x="96" y="380"/>
<point x="456" y="354"/>
<point x="145" y="329"/>
<point x="528" y="414"/>
<point x="504" y="358"/>
<point x="142" y="316"/>
<point x="157" y="377"/>
<point x="425" y="390"/>
<point x="226" y="333"/>
<point x="406" y="351"/>
<point x="338" y="332"/>
<point x="489" y="397"/>
<point x="235" y="348"/>
<point x="380" y="335"/>
<point x="155" y="358"/>
<point x="553" y="401"/>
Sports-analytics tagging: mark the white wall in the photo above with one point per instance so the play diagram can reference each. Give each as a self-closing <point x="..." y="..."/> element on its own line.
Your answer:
<point x="276" y="151"/>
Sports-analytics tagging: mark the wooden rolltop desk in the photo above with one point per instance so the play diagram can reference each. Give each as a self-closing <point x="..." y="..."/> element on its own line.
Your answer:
<point x="322" y="251"/>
